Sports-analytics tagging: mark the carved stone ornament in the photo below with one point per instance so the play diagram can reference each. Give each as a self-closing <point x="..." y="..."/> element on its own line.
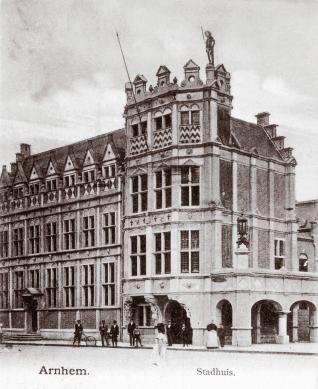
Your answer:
<point x="127" y="304"/>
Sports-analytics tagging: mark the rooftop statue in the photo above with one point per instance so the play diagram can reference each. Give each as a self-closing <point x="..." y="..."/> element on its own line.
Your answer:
<point x="209" y="44"/>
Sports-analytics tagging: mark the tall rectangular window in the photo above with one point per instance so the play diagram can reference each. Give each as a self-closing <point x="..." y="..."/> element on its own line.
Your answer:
<point x="279" y="252"/>
<point x="143" y="315"/>
<point x="89" y="231"/>
<point x="163" y="189"/>
<point x="139" y="193"/>
<point x="109" y="228"/>
<point x="4" y="290"/>
<point x="34" y="189"/>
<point x="88" y="282"/>
<point x="110" y="171"/>
<point x="109" y="284"/>
<point x="190" y="251"/>
<point x="190" y="186"/>
<point x="51" y="184"/>
<point x="51" y="287"/>
<point x="18" y="286"/>
<point x="34" y="239"/>
<point x="69" y="180"/>
<point x="138" y="255"/>
<point x="34" y="278"/>
<point x="163" y="253"/>
<point x="89" y="176"/>
<point x="18" y="241"/>
<point x="18" y="192"/>
<point x="4" y="244"/>
<point x="51" y="236"/>
<point x="69" y="234"/>
<point x="69" y="286"/>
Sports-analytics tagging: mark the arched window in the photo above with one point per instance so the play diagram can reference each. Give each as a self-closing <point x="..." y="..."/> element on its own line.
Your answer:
<point x="303" y="262"/>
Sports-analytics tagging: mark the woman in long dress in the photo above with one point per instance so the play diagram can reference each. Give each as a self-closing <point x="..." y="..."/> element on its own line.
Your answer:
<point x="160" y="346"/>
<point x="211" y="340"/>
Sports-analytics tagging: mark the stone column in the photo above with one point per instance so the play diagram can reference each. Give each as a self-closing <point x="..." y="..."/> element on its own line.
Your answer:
<point x="216" y="238"/>
<point x="295" y="323"/>
<point x="241" y="328"/>
<point x="241" y="258"/>
<point x="174" y="124"/>
<point x="149" y="130"/>
<point x="175" y="250"/>
<point x="213" y="117"/>
<point x="215" y="190"/>
<point x="258" y="325"/>
<point x="98" y="290"/>
<point x="282" y="337"/>
<point x="314" y="326"/>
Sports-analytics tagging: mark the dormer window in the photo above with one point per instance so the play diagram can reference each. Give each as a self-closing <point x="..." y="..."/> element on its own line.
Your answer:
<point x="18" y="192"/>
<point x="51" y="185"/>
<point x="89" y="176"/>
<point x="34" y="189"/>
<point x="69" y="180"/>
<point x="110" y="171"/>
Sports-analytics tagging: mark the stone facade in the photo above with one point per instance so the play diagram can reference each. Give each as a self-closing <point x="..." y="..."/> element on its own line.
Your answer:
<point x="143" y="223"/>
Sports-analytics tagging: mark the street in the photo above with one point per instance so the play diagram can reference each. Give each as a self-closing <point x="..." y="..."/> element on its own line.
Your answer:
<point x="20" y="367"/>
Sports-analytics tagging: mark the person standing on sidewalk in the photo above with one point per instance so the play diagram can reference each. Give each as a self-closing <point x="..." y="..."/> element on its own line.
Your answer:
<point x="103" y="333"/>
<point x="169" y="333"/>
<point x="78" y="332"/>
<point x="114" y="331"/>
<point x="221" y="335"/>
<point x="184" y="335"/>
<point x="131" y="328"/>
<point x="137" y="336"/>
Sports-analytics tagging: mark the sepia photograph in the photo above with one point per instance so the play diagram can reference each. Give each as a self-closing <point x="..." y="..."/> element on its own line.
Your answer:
<point x="158" y="194"/>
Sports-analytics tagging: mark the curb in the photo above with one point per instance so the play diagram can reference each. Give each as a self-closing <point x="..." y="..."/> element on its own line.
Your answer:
<point x="168" y="348"/>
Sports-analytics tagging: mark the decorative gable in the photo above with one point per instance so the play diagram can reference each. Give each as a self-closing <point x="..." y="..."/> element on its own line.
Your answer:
<point x="20" y="176"/>
<point x="109" y="153"/>
<point x="50" y="169"/>
<point x="69" y="165"/>
<point x="34" y="174"/>
<point x="88" y="159"/>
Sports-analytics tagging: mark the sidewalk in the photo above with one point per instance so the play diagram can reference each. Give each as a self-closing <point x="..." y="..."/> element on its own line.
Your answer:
<point x="291" y="348"/>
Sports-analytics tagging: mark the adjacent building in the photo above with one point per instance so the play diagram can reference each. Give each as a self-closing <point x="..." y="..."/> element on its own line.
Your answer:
<point x="145" y="223"/>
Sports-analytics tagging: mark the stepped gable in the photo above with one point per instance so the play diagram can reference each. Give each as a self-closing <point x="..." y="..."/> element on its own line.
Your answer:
<point x="78" y="149"/>
<point x="250" y="135"/>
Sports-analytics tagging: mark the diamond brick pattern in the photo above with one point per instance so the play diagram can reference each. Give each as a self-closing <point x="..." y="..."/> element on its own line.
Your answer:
<point x="190" y="134"/>
<point x="162" y="138"/>
<point x="138" y="145"/>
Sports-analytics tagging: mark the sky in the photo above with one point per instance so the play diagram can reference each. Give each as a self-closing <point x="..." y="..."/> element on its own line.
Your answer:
<point x="62" y="77"/>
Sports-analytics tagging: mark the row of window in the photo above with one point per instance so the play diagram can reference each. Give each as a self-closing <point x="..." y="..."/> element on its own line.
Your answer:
<point x="88" y="286"/>
<point x="189" y="249"/>
<point x="280" y="257"/>
<point x="164" y="121"/>
<point x="190" y="189"/>
<point x="51" y="236"/>
<point x="51" y="184"/>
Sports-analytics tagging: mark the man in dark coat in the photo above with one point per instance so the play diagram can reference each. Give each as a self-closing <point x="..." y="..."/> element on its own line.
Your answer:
<point x="131" y="327"/>
<point x="169" y="333"/>
<point x="114" y="331"/>
<point x="103" y="328"/>
<point x="221" y="335"/>
<point x="78" y="331"/>
<point x="184" y="335"/>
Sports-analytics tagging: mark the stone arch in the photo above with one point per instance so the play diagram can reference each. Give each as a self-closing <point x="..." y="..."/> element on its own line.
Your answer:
<point x="302" y="323"/>
<point x="224" y="316"/>
<point x="264" y="320"/>
<point x="178" y="313"/>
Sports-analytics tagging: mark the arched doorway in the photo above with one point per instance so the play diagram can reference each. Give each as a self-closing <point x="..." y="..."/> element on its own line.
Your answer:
<point x="175" y="313"/>
<point x="301" y="317"/>
<point x="265" y="321"/>
<point x="224" y="310"/>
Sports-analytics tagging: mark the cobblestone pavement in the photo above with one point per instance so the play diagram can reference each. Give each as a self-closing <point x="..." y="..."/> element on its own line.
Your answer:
<point x="20" y="366"/>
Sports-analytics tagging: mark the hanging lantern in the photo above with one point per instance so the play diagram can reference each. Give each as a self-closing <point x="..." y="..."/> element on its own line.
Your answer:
<point x="242" y="231"/>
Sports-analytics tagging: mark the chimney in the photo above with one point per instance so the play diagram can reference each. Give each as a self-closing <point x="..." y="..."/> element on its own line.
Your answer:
<point x="128" y="90"/>
<point x="25" y="149"/>
<point x="19" y="157"/>
<point x="271" y="130"/>
<point x="13" y="167"/>
<point x="263" y="118"/>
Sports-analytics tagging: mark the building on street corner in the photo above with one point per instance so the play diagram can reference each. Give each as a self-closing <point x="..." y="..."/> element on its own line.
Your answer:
<point x="187" y="214"/>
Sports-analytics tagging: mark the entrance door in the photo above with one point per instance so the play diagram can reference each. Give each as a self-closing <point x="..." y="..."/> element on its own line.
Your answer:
<point x="178" y="316"/>
<point x="34" y="319"/>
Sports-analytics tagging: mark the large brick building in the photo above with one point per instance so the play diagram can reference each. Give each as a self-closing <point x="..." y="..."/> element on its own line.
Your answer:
<point x="143" y="222"/>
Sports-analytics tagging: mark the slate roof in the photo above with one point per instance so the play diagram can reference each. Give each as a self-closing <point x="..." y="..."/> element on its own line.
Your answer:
<point x="76" y="150"/>
<point x="251" y="136"/>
